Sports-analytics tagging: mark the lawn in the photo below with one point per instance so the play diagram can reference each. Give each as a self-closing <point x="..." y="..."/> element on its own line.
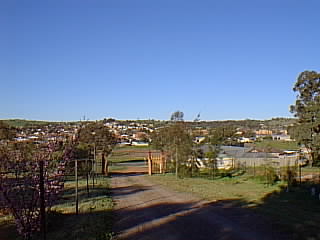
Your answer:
<point x="242" y="187"/>
<point x="130" y="153"/>
<point x="311" y="170"/>
<point x="93" y="222"/>
<point x="295" y="211"/>
<point x="280" y="145"/>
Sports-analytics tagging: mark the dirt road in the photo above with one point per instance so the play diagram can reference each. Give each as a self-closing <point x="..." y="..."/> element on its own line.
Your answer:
<point x="145" y="210"/>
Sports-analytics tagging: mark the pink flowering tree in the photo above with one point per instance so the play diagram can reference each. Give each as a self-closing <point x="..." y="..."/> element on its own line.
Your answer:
<point x="20" y="181"/>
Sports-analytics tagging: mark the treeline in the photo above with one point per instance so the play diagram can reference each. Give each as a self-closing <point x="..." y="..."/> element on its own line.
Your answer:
<point x="274" y="123"/>
<point x="22" y="123"/>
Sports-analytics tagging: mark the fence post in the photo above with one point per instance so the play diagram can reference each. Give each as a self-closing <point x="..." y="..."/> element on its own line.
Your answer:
<point x="87" y="177"/>
<point x="300" y="173"/>
<point x="149" y="164"/>
<point x="161" y="165"/>
<point x="103" y="163"/>
<point x="42" y="202"/>
<point x="76" y="192"/>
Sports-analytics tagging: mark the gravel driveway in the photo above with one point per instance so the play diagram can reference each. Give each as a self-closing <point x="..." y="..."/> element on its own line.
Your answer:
<point x="145" y="210"/>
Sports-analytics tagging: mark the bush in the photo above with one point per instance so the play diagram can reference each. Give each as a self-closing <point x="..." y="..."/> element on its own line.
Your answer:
<point x="290" y="176"/>
<point x="271" y="176"/>
<point x="185" y="171"/>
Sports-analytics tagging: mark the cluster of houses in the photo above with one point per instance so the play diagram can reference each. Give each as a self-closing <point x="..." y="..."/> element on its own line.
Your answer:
<point x="131" y="133"/>
<point x="138" y="133"/>
<point x="55" y="132"/>
<point x="233" y="156"/>
<point x="280" y="135"/>
<point x="127" y="133"/>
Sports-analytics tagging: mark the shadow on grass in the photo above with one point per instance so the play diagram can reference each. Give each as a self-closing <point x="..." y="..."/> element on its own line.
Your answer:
<point x="8" y="231"/>
<point x="84" y="226"/>
<point x="295" y="211"/>
<point x="94" y="220"/>
<point x="69" y="194"/>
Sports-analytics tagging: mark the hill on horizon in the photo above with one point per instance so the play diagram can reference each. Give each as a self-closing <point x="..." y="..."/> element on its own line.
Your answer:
<point x="249" y="123"/>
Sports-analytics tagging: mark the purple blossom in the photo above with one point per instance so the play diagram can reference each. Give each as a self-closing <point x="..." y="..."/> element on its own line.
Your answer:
<point x="20" y="183"/>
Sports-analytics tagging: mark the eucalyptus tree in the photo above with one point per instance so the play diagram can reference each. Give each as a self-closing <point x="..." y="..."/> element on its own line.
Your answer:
<point x="6" y="132"/>
<point x="176" y="141"/>
<point x="307" y="109"/>
<point x="98" y="137"/>
<point x="177" y="116"/>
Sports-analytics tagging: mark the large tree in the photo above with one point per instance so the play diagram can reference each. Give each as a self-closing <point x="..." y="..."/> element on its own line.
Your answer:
<point x="177" y="116"/>
<point x="176" y="141"/>
<point x="307" y="109"/>
<point x="97" y="134"/>
<point x="6" y="132"/>
<point x="98" y="137"/>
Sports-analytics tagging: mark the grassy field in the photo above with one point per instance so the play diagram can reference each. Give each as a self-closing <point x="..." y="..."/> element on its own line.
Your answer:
<point x="27" y="123"/>
<point x="280" y="145"/>
<point x="295" y="211"/>
<point x="242" y="187"/>
<point x="94" y="221"/>
<point x="131" y="148"/>
<point x="314" y="170"/>
<point x="130" y="153"/>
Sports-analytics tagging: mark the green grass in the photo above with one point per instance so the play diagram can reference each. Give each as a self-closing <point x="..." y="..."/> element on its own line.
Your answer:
<point x="130" y="148"/>
<point x="296" y="211"/>
<point x="115" y="168"/>
<point x="315" y="170"/>
<point x="27" y="123"/>
<point x="129" y="153"/>
<point x="242" y="187"/>
<point x="94" y="221"/>
<point x="125" y="159"/>
<point x="280" y="145"/>
<point x="7" y="228"/>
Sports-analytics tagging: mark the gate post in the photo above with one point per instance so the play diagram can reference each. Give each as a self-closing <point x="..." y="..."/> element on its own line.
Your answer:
<point x="149" y="164"/>
<point x="161" y="165"/>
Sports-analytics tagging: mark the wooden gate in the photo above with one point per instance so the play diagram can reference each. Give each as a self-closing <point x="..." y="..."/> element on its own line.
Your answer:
<point x="156" y="163"/>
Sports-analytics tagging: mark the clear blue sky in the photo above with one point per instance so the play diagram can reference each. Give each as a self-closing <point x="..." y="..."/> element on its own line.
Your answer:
<point x="129" y="59"/>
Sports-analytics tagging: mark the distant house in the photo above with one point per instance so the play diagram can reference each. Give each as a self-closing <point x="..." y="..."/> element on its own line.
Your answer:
<point x="124" y="137"/>
<point x="263" y="133"/>
<point x="140" y="136"/>
<point x="199" y="139"/>
<point x="141" y="144"/>
<point x="222" y="162"/>
<point x="124" y="144"/>
<point x="245" y="140"/>
<point x="235" y="156"/>
<point x="281" y="137"/>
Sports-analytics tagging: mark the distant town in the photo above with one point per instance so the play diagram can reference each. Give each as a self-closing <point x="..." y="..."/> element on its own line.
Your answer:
<point x="138" y="132"/>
